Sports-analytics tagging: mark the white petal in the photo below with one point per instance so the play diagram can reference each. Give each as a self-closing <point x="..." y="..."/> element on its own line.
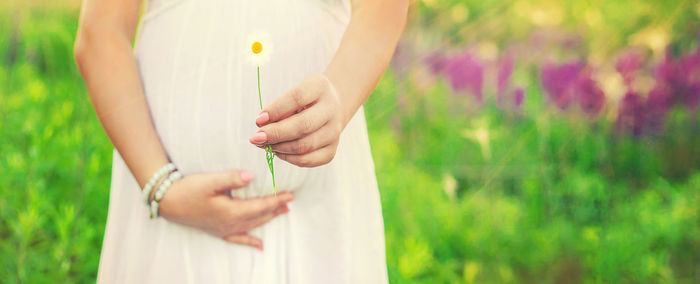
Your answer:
<point x="262" y="57"/>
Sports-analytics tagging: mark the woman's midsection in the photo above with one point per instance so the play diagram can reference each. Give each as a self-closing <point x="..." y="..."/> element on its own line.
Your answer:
<point x="203" y="93"/>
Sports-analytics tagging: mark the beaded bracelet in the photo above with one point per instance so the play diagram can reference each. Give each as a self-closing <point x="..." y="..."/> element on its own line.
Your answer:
<point x="162" y="189"/>
<point x="146" y="192"/>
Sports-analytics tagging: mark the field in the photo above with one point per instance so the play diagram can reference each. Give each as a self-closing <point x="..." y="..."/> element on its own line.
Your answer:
<point x="514" y="142"/>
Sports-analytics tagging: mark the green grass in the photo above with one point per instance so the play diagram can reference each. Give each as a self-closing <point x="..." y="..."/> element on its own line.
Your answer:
<point x="55" y="159"/>
<point x="556" y="197"/>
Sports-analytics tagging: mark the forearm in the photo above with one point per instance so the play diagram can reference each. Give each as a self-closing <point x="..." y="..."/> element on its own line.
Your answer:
<point x="365" y="50"/>
<point x="109" y="68"/>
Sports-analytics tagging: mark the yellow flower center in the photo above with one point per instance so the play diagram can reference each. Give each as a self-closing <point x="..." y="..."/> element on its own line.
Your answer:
<point x="257" y="47"/>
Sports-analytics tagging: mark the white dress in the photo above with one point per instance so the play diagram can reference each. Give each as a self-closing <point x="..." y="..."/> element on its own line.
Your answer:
<point x="203" y="99"/>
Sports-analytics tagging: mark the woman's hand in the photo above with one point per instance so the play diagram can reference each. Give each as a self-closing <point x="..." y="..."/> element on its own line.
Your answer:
<point x="202" y="201"/>
<point x="303" y="126"/>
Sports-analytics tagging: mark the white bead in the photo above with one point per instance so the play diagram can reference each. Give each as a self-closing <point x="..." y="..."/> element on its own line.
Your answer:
<point x="146" y="191"/>
<point x="154" y="209"/>
<point x="162" y="189"/>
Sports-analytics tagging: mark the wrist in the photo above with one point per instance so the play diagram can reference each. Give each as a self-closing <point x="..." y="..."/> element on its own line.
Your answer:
<point x="347" y="107"/>
<point x="143" y="164"/>
<point x="147" y="191"/>
<point x="162" y="189"/>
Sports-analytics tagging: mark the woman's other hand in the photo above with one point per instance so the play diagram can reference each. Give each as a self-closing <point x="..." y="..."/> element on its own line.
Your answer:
<point x="303" y="125"/>
<point x="202" y="201"/>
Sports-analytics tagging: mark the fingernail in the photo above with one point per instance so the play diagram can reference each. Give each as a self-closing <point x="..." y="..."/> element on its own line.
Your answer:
<point x="259" y="137"/>
<point x="262" y="118"/>
<point x="247" y="176"/>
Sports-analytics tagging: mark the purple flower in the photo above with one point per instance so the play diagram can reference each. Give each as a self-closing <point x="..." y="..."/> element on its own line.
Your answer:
<point x="572" y="82"/>
<point x="559" y="82"/>
<point x="465" y="73"/>
<point x="589" y="95"/>
<point x="436" y="62"/>
<point x="692" y="98"/>
<point x="627" y="65"/>
<point x="518" y="97"/>
<point x="681" y="78"/>
<point x="630" y="115"/>
<point x="657" y="106"/>
<point x="665" y="70"/>
<point x="690" y="67"/>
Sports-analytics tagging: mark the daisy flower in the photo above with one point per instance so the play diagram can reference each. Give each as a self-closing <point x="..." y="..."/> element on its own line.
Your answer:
<point x="258" y="53"/>
<point x="258" y="49"/>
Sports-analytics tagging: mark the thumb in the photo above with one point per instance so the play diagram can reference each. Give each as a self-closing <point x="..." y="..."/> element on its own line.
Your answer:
<point x="228" y="180"/>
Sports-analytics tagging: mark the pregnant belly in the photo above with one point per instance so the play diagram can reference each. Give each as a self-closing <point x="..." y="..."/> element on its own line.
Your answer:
<point x="216" y="140"/>
<point x="203" y="94"/>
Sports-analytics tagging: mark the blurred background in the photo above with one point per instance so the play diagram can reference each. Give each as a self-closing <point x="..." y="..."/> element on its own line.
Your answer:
<point x="515" y="142"/>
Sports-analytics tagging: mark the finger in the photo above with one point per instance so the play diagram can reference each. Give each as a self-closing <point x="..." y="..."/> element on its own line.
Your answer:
<point x="257" y="222"/>
<point x="314" y="159"/>
<point x="290" y="102"/>
<point x="309" y="143"/>
<point x="250" y="208"/>
<point x="283" y="208"/>
<point x="228" y="180"/>
<point x="293" y="127"/>
<point x="245" y="239"/>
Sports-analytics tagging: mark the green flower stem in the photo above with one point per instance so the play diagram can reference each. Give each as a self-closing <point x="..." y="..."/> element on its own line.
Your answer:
<point x="268" y="150"/>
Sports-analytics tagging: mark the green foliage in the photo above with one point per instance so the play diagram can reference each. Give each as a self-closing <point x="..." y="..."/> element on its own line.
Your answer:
<point x="55" y="162"/>
<point x="605" y="26"/>
<point x="556" y="198"/>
